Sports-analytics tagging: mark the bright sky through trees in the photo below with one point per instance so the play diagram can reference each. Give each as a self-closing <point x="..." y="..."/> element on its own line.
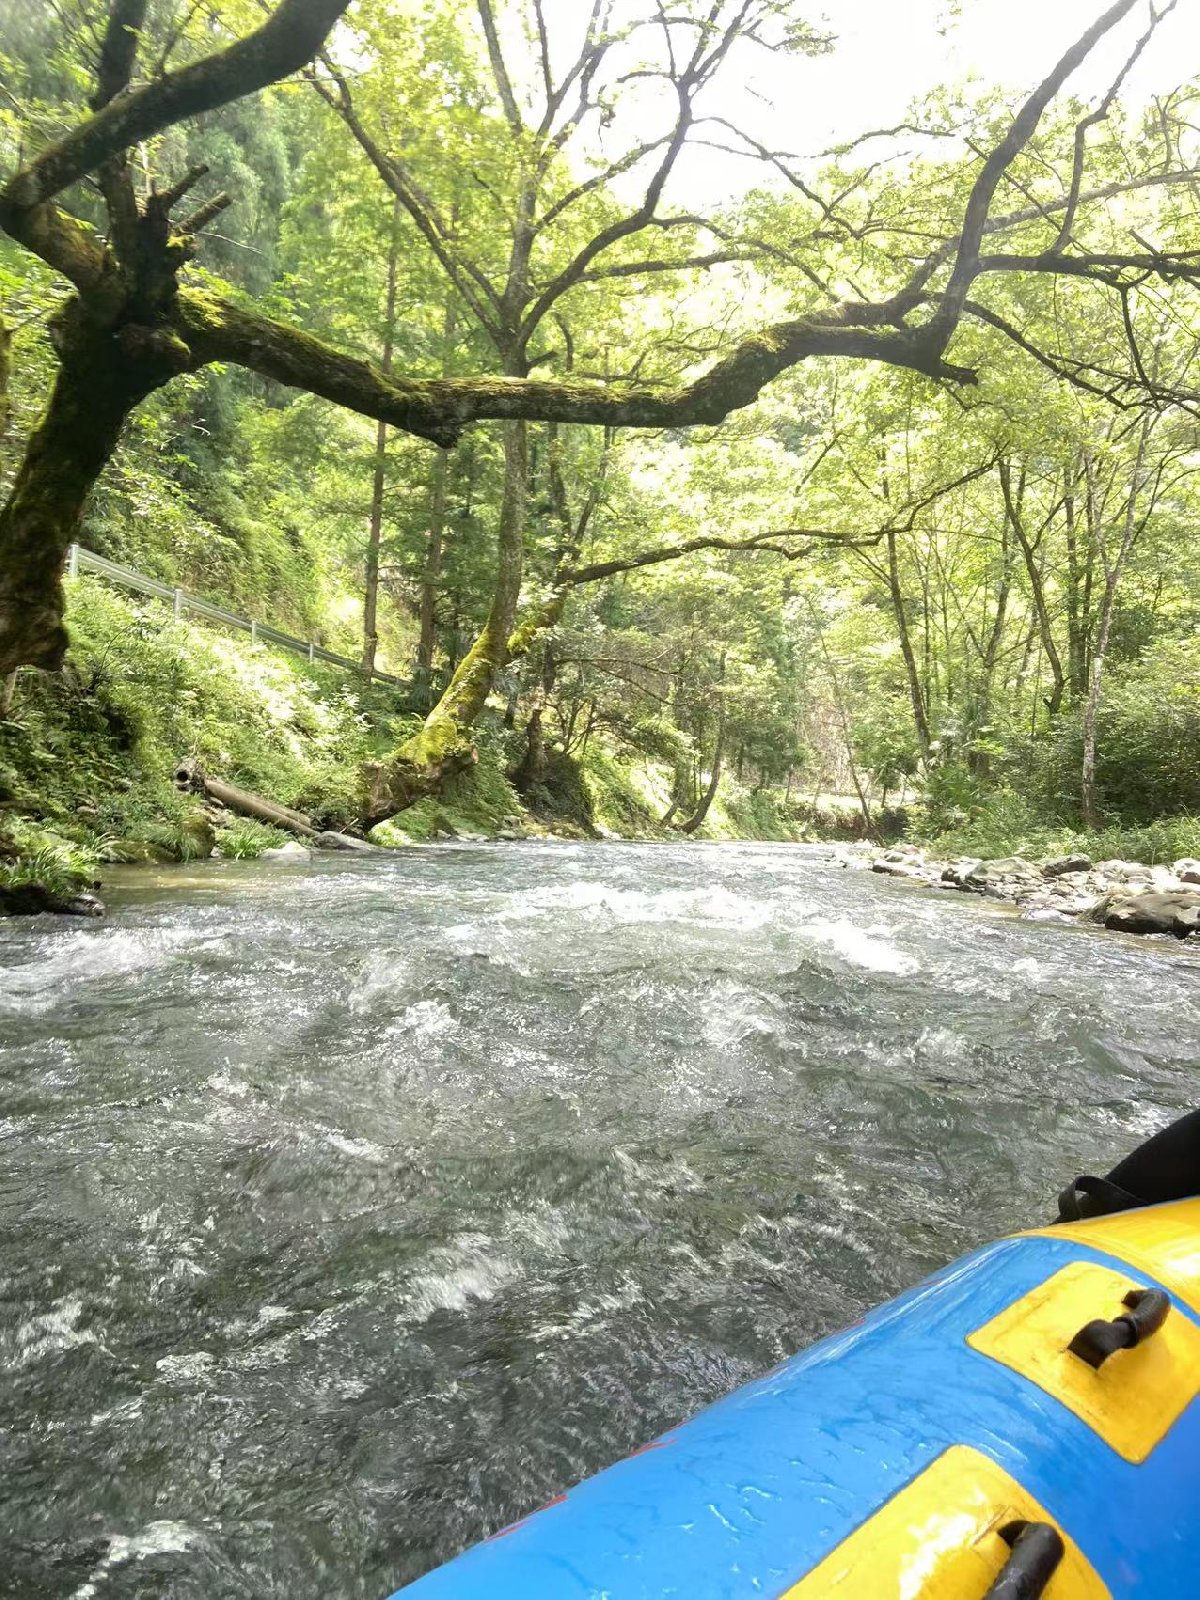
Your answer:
<point x="889" y="52"/>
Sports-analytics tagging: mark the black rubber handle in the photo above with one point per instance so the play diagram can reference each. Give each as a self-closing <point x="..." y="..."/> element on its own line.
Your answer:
<point x="1098" y="1340"/>
<point x="1037" y="1549"/>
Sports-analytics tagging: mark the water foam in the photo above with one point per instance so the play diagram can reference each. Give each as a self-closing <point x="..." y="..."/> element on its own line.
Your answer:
<point x="155" y="1539"/>
<point x="80" y="958"/>
<point x="468" y="1269"/>
<point x="52" y="1330"/>
<point x="859" y="946"/>
<point x="599" y="901"/>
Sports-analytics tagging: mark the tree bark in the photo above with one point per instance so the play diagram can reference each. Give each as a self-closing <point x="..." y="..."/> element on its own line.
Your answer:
<point x="435" y="537"/>
<point x="5" y="374"/>
<point x="432" y="572"/>
<point x="696" y="820"/>
<point x="443" y="747"/>
<point x="1037" y="590"/>
<point x="379" y="472"/>
<point x="915" y="693"/>
<point x="98" y="384"/>
<point x="246" y="804"/>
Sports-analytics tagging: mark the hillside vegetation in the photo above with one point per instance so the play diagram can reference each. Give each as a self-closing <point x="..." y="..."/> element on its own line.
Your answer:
<point x="859" y="501"/>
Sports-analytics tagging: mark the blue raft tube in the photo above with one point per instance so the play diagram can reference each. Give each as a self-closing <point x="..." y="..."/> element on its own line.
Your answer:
<point x="1022" y="1424"/>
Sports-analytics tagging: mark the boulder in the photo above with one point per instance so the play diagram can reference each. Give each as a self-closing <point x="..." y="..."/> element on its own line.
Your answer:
<point x="1006" y="877"/>
<point x="910" y="853"/>
<point x="890" y="869"/>
<point x="1061" y="864"/>
<point x="1124" y="871"/>
<point x="958" y="874"/>
<point x="293" y="850"/>
<point x="136" y="853"/>
<point x="1176" y="913"/>
<point x="331" y="840"/>
<point x="199" y="833"/>
<point x="1187" y="870"/>
<point x="1164" y="879"/>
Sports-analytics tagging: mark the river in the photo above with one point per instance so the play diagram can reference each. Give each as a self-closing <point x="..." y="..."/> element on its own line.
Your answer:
<point x="351" y="1210"/>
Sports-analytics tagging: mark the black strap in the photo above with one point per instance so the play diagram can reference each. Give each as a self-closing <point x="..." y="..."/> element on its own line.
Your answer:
<point x="1094" y="1197"/>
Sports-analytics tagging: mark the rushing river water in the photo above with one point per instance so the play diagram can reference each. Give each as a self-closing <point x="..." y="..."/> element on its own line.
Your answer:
<point x="351" y="1210"/>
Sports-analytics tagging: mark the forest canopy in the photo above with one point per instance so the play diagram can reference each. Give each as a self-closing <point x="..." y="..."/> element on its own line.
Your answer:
<point x="411" y="323"/>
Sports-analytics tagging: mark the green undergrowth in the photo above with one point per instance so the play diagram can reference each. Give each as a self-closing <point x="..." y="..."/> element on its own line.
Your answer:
<point x="627" y="797"/>
<point x="88" y="756"/>
<point x="1009" y="825"/>
<point x="246" y="839"/>
<point x="30" y="854"/>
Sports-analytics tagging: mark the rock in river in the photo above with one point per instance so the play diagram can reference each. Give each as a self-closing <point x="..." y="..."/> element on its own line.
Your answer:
<point x="1176" y="912"/>
<point x="30" y="899"/>
<point x="1061" y="864"/>
<point x="293" y="850"/>
<point x="1009" y="877"/>
<point x="343" y="841"/>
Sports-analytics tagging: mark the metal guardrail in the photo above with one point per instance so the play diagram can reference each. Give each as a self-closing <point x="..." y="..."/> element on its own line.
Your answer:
<point x="81" y="560"/>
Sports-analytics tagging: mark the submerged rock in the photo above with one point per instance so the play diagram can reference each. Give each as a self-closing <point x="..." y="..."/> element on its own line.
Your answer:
<point x="293" y="850"/>
<point x="1175" y="912"/>
<point x="332" y="840"/>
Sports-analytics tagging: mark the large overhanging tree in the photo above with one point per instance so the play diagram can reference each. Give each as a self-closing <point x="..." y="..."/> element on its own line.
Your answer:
<point x="133" y="321"/>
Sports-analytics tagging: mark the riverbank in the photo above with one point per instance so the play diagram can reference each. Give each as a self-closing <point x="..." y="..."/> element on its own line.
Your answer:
<point x="1126" y="896"/>
<point x="89" y="757"/>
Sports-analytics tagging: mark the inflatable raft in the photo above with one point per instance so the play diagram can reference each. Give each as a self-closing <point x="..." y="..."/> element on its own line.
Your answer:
<point x="1022" y="1424"/>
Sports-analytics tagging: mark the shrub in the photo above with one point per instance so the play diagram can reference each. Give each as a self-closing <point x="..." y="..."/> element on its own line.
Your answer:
<point x="1147" y="742"/>
<point x="245" y="839"/>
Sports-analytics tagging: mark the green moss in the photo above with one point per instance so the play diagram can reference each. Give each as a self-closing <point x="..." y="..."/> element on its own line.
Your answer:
<point x="562" y="796"/>
<point x="479" y="801"/>
<point x="92" y="754"/>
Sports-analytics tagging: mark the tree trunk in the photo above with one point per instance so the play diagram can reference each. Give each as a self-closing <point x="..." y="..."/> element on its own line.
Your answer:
<point x="915" y="693"/>
<point x="1113" y="569"/>
<point x="98" y="385"/>
<point x="1089" y="796"/>
<point x="696" y="820"/>
<point x="1076" y="620"/>
<point x="379" y="473"/>
<point x="1037" y="590"/>
<point x="442" y="747"/>
<point x="434" y="539"/>
<point x="189" y="776"/>
<point x="432" y="573"/>
<point x="5" y="374"/>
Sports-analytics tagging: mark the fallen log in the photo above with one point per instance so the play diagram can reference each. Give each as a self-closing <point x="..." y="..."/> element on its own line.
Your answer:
<point x="191" y="776"/>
